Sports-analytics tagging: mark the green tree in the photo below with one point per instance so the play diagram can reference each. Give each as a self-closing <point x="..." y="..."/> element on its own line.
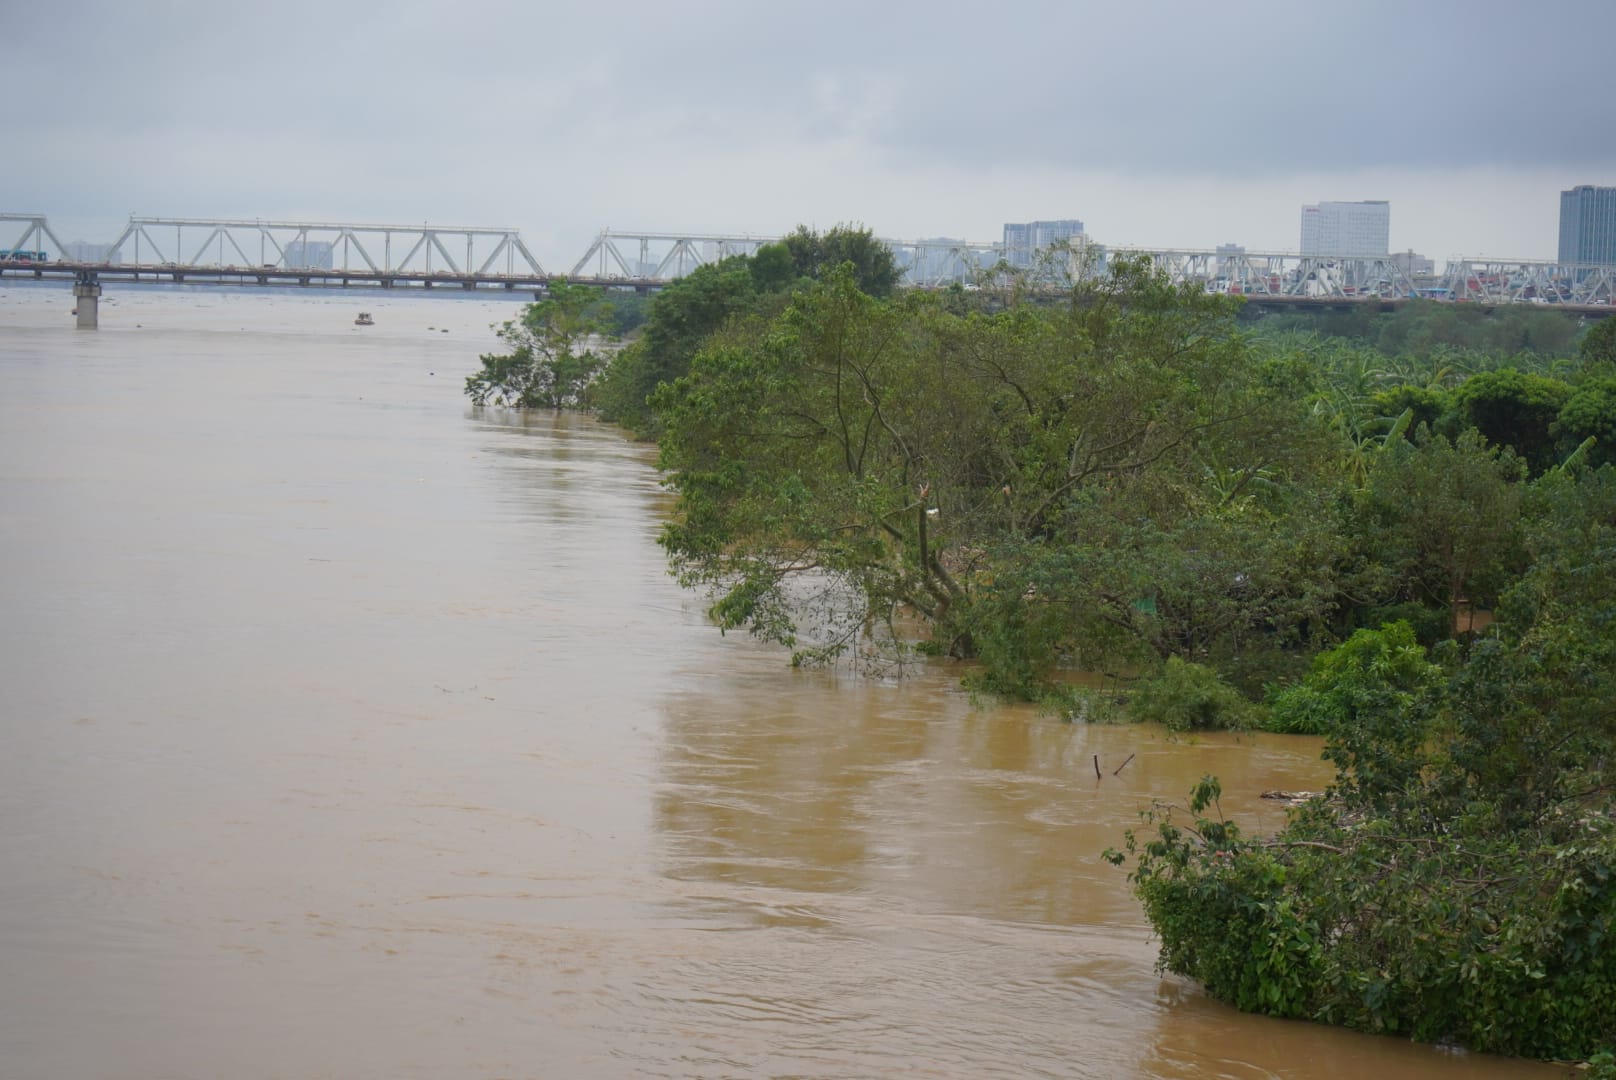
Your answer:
<point x="1443" y="518"/>
<point x="1514" y="408"/>
<point x="1372" y="695"/>
<point x="1428" y="328"/>
<point x="1427" y="405"/>
<point x="986" y="473"/>
<point x="688" y="314"/>
<point x="1590" y="412"/>
<point x="682" y="317"/>
<point x="1458" y="880"/>
<point x="553" y="357"/>
<point x="1598" y="345"/>
<point x="814" y="255"/>
<point x="793" y="469"/>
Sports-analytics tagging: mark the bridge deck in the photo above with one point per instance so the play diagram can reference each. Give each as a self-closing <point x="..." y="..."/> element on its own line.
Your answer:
<point x="310" y="277"/>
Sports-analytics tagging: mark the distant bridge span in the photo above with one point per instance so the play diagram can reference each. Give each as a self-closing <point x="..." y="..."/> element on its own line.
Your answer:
<point x="346" y="255"/>
<point x="299" y="276"/>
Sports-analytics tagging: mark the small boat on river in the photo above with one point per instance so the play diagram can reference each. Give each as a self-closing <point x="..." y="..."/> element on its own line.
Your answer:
<point x="364" y="319"/>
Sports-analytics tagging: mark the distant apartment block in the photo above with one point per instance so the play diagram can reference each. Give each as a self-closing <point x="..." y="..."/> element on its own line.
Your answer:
<point x="939" y="259"/>
<point x="85" y="252"/>
<point x="1023" y="241"/>
<point x="1414" y="264"/>
<point x="313" y="254"/>
<point x="1588" y="224"/>
<point x="1347" y="229"/>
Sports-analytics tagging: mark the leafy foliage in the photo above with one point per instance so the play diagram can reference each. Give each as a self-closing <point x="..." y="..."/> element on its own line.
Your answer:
<point x="1598" y="345"/>
<point x="1590" y="412"/>
<point x="1442" y="518"/>
<point x="1126" y="476"/>
<point x="814" y="256"/>
<point x="683" y="317"/>
<point x="552" y="359"/>
<point x="1514" y="408"/>
<point x="1353" y="680"/>
<point x="1458" y="880"/>
<point x="1189" y="697"/>
<point x="724" y="297"/>
<point x="1424" y="328"/>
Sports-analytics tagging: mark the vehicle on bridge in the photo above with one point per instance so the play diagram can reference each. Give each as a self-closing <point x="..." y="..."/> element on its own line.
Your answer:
<point x="17" y="255"/>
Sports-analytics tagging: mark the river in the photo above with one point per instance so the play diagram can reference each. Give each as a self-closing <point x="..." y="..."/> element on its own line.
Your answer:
<point x="351" y="732"/>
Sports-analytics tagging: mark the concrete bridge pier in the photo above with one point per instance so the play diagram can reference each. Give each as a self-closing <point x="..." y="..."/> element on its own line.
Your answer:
<point x="87" y="301"/>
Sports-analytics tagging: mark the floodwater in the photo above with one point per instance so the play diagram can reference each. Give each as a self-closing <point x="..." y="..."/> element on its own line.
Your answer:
<point x="349" y="732"/>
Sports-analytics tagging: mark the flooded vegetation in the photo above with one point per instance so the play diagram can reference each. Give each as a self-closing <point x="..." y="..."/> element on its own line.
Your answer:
<point x="353" y="731"/>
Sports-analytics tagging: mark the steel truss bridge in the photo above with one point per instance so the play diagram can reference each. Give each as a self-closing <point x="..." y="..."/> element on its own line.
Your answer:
<point x="1319" y="277"/>
<point x="248" y="252"/>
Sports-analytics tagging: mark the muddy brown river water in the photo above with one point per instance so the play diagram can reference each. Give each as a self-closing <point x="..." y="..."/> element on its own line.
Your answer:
<point x="348" y="732"/>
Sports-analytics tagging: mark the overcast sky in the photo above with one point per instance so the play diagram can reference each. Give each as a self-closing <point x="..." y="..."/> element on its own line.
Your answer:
<point x="1158" y="124"/>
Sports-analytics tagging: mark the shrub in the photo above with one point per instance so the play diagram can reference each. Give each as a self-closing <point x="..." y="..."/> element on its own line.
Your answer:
<point x="1189" y="697"/>
<point x="1458" y="881"/>
<point x="1381" y="670"/>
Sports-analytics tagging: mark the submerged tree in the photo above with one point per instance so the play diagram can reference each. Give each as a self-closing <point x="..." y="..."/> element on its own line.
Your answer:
<point x="974" y="471"/>
<point x="1458" y="880"/>
<point x="554" y="352"/>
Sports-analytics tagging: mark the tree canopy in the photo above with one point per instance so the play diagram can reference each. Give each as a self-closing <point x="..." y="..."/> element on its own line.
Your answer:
<point x="691" y="310"/>
<point x="1458" y="880"/>
<point x="983" y="473"/>
<point x="554" y="355"/>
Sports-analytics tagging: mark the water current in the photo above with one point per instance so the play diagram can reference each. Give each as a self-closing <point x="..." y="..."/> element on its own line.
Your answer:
<point x="352" y="732"/>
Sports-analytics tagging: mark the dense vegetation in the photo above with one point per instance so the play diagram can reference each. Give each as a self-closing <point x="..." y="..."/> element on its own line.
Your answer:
<point x="1458" y="880"/>
<point x="1402" y="539"/>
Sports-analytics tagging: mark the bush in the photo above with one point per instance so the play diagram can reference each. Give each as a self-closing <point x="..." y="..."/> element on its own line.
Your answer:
<point x="1500" y="944"/>
<point x="1381" y="670"/>
<point x="1457" y="883"/>
<point x="1300" y="710"/>
<point x="1430" y="624"/>
<point x="1189" y="697"/>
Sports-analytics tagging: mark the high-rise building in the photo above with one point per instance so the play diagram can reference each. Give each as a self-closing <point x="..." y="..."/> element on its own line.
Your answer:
<point x="313" y="254"/>
<point x="85" y="252"/>
<point x="1588" y="224"/>
<point x="1414" y="264"/>
<point x="939" y="259"/>
<point x="1347" y="228"/>
<point x="1023" y="241"/>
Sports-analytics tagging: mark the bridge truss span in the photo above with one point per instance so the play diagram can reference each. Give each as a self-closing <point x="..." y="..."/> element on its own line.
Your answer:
<point x="35" y="232"/>
<point x="651" y="256"/>
<point x="1524" y="281"/>
<point x="341" y="255"/>
<point x="942" y="261"/>
<point x="456" y="250"/>
<point x="1279" y="273"/>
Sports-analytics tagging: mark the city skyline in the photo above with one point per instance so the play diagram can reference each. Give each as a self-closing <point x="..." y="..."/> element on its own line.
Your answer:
<point x="739" y="119"/>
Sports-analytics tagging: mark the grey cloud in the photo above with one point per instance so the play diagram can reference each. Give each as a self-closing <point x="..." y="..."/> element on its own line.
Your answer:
<point x="1142" y="86"/>
<point x="483" y="110"/>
